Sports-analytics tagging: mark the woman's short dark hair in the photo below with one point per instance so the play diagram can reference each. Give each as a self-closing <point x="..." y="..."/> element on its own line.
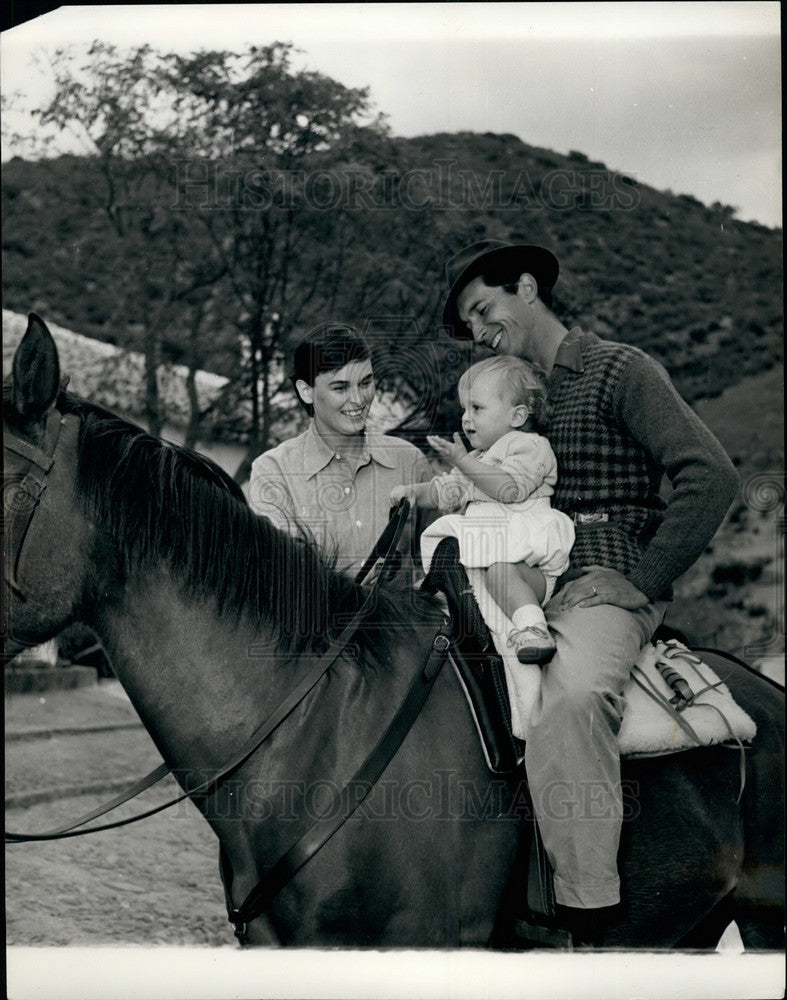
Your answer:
<point x="507" y="276"/>
<point x="326" y="348"/>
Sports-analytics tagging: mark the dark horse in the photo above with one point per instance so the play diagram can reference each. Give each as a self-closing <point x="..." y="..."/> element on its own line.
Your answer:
<point x="211" y="616"/>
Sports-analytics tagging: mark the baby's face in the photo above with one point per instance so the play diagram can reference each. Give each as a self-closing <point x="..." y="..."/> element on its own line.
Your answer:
<point x="489" y="412"/>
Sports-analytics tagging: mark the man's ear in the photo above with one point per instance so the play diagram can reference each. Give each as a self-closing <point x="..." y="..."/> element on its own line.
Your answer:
<point x="305" y="391"/>
<point x="520" y="415"/>
<point x="528" y="286"/>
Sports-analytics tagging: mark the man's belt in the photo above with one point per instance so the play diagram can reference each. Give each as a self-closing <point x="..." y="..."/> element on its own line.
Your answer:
<point x="592" y="517"/>
<point x="636" y="520"/>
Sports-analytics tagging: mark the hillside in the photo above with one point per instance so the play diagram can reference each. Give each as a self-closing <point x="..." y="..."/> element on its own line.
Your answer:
<point x="733" y="598"/>
<point x="689" y="283"/>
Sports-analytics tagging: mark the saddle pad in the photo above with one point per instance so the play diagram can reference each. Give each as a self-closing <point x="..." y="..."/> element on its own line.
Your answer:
<point x="647" y="728"/>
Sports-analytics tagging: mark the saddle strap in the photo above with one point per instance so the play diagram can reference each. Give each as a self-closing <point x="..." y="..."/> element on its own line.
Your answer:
<point x="648" y="688"/>
<point x="345" y="802"/>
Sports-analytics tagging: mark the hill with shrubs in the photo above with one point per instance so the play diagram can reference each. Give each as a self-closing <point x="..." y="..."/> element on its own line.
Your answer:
<point x="689" y="283"/>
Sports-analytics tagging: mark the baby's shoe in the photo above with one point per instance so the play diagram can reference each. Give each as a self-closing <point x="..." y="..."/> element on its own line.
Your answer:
<point x="533" y="644"/>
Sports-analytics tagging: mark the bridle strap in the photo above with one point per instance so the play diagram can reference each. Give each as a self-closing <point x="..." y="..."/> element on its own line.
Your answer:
<point x="41" y="457"/>
<point x="345" y="801"/>
<point x="27" y="496"/>
<point x="253" y="743"/>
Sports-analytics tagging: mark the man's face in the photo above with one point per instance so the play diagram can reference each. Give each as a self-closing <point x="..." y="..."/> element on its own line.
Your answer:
<point x="341" y="399"/>
<point x="496" y="318"/>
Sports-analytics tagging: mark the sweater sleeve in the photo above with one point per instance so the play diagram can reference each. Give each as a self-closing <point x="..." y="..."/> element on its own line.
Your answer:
<point x="703" y="478"/>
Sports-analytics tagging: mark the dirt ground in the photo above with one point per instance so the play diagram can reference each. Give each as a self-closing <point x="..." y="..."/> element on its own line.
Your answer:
<point x="151" y="883"/>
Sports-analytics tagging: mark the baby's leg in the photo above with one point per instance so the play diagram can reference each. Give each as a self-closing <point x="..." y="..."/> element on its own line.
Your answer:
<point x="518" y="590"/>
<point x="515" y="585"/>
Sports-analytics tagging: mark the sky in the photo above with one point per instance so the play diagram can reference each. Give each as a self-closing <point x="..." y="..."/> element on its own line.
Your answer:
<point x="684" y="96"/>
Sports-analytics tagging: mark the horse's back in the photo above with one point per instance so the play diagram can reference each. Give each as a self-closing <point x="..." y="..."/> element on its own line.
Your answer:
<point x="759" y="895"/>
<point x="761" y="697"/>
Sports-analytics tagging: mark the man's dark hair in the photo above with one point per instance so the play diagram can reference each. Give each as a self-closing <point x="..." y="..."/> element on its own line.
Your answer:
<point x="507" y="276"/>
<point x="326" y="348"/>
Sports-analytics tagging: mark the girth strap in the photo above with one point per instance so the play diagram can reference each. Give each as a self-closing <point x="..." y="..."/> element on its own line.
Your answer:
<point x="345" y="802"/>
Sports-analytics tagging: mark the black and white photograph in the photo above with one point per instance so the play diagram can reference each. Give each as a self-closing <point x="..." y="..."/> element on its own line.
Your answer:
<point x="393" y="501"/>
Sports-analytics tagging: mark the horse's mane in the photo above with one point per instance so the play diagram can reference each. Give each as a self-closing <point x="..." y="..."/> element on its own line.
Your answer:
<point x="160" y="500"/>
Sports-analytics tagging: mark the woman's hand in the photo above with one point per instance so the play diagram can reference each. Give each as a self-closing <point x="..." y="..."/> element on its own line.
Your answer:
<point x="402" y="493"/>
<point x="452" y="451"/>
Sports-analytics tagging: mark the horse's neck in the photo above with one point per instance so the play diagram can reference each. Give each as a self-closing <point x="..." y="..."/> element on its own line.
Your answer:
<point x="202" y="682"/>
<point x="194" y="676"/>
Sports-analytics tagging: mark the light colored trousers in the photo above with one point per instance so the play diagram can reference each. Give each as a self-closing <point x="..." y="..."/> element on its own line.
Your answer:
<point x="572" y="758"/>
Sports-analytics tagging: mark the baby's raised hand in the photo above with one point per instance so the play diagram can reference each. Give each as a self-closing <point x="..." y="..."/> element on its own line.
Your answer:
<point x="451" y="451"/>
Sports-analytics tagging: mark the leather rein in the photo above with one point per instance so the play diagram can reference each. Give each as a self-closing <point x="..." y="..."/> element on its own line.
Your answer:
<point x="321" y="830"/>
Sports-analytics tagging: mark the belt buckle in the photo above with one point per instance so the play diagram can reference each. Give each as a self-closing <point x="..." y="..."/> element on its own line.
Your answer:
<point x="594" y="517"/>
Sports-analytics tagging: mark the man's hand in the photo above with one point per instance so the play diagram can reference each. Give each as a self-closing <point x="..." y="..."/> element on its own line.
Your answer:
<point x="402" y="493"/>
<point x="601" y="585"/>
<point x="452" y="451"/>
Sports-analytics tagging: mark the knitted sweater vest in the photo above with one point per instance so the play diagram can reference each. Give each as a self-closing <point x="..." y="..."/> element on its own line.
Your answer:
<point x="603" y="473"/>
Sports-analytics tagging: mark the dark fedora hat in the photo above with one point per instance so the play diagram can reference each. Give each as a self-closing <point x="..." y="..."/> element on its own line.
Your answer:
<point x="526" y="258"/>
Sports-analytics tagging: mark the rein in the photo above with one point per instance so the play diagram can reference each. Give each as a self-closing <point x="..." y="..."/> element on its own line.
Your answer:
<point x="384" y="548"/>
<point x="343" y="803"/>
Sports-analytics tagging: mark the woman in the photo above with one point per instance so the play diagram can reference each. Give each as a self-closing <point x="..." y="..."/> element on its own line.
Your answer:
<point x="334" y="480"/>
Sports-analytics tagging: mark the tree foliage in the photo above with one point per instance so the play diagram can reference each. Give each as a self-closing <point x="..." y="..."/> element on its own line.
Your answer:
<point x="245" y="201"/>
<point x="240" y="193"/>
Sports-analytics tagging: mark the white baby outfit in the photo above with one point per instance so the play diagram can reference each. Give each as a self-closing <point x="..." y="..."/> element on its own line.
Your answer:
<point x="489" y="531"/>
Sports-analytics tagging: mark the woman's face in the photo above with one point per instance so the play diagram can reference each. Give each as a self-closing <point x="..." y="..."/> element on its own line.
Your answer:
<point x="341" y="399"/>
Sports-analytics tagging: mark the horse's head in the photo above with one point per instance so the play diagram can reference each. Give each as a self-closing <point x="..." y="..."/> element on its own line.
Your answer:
<point x="47" y="537"/>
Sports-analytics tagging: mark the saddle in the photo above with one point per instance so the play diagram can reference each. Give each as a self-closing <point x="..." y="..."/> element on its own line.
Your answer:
<point x="656" y="693"/>
<point x="476" y="661"/>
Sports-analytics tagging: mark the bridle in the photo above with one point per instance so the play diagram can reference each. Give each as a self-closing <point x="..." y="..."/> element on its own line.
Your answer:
<point x="21" y="502"/>
<point x="363" y="781"/>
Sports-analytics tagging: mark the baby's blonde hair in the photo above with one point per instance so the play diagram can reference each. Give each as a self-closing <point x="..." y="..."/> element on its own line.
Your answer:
<point x="524" y="382"/>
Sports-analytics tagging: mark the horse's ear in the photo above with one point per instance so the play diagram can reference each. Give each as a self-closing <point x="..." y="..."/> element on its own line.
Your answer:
<point x="36" y="371"/>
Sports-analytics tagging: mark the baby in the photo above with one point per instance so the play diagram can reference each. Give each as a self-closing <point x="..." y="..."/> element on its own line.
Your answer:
<point x="501" y="489"/>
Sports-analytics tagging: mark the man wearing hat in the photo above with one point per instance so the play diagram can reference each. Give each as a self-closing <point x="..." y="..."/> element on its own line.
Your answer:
<point x="616" y="425"/>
